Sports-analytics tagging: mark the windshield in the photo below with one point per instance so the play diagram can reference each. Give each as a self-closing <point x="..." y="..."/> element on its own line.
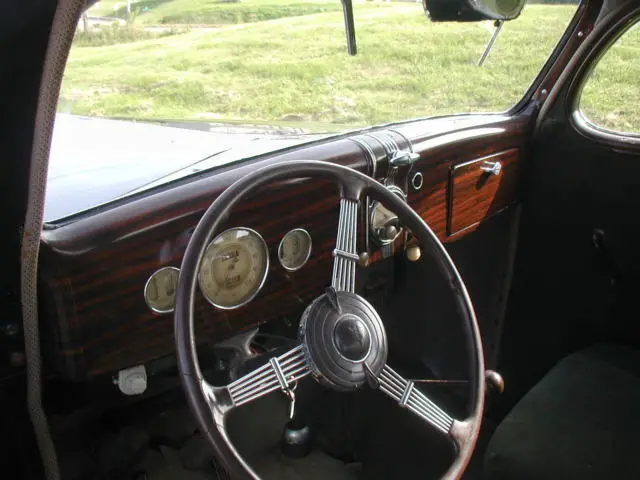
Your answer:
<point x="223" y="80"/>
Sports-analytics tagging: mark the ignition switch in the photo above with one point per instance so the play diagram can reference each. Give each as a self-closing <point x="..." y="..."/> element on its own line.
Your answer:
<point x="384" y="224"/>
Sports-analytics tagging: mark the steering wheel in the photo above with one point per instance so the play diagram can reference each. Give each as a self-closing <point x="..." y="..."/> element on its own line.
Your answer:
<point x="342" y="340"/>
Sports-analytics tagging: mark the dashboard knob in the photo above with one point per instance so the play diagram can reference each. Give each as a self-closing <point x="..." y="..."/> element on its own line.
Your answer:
<point x="390" y="232"/>
<point x="494" y="380"/>
<point x="413" y="253"/>
<point x="132" y="381"/>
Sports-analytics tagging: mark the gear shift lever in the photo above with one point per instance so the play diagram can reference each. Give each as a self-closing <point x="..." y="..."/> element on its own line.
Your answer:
<point x="296" y="436"/>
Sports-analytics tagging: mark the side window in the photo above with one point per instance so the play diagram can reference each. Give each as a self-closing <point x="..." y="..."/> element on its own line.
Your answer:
<point x="611" y="95"/>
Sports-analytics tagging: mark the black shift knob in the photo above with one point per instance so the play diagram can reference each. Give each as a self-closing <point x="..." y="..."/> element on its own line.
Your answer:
<point x="296" y="439"/>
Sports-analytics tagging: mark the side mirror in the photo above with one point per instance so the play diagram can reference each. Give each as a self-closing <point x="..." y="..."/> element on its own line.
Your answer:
<point x="448" y="11"/>
<point x="472" y="10"/>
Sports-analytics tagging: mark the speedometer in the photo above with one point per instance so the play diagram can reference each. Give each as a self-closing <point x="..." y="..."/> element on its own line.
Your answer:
<point x="234" y="268"/>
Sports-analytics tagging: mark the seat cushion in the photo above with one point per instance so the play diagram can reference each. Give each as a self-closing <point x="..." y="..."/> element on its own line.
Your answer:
<point x="582" y="421"/>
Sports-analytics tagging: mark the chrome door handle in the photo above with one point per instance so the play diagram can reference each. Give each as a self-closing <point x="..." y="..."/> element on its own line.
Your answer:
<point x="492" y="168"/>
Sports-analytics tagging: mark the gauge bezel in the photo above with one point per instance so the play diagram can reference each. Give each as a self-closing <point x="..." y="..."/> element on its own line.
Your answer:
<point x="262" y="280"/>
<point x="146" y="286"/>
<point x="307" y="256"/>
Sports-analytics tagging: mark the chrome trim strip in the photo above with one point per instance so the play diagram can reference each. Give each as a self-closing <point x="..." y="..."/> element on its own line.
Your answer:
<point x="396" y="387"/>
<point x="279" y="373"/>
<point x="346" y="256"/>
<point x="586" y="126"/>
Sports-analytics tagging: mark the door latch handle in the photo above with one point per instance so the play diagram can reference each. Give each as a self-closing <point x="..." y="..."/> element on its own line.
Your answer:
<point x="492" y="168"/>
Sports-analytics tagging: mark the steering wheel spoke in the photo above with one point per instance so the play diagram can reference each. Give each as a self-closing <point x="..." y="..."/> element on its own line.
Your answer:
<point x="408" y="396"/>
<point x="345" y="254"/>
<point x="280" y="373"/>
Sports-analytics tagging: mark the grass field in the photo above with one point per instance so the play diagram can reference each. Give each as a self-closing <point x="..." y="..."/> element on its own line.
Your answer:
<point x="213" y="12"/>
<point x="610" y="97"/>
<point x="294" y="69"/>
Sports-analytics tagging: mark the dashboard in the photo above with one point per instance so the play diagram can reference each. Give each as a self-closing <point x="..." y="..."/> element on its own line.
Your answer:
<point x="109" y="276"/>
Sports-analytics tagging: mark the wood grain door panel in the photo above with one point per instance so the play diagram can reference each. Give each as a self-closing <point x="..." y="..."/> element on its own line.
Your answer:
<point x="475" y="195"/>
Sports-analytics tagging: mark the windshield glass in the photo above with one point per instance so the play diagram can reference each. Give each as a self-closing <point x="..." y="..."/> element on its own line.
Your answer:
<point x="223" y="80"/>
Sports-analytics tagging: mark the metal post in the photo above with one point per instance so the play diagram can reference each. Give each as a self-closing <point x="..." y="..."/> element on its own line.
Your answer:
<point x="498" y="24"/>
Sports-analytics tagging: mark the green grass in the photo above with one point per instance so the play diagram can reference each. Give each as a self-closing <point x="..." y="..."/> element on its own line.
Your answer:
<point x="610" y="97"/>
<point x="296" y="70"/>
<point x="212" y="12"/>
<point x="115" y="34"/>
<point x="105" y="8"/>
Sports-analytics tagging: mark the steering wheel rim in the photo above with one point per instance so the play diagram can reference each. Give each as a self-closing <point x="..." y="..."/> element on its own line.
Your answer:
<point x="210" y="404"/>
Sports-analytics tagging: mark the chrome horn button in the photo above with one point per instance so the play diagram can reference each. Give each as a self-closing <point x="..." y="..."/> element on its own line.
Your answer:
<point x="344" y="340"/>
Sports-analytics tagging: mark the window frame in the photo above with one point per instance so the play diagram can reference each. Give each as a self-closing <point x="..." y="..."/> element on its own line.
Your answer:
<point x="579" y="121"/>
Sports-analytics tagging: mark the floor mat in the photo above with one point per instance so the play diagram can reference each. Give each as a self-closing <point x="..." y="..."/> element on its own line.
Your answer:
<point x="316" y="466"/>
<point x="262" y="450"/>
<point x="388" y="443"/>
<point x="164" y="463"/>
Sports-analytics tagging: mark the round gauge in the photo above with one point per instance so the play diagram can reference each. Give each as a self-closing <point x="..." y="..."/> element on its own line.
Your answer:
<point x="234" y="268"/>
<point x="160" y="290"/>
<point x="294" y="249"/>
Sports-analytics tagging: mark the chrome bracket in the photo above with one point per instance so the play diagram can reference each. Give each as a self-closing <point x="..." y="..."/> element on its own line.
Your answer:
<point x="284" y="385"/>
<point x="406" y="395"/>
<point x="348" y="255"/>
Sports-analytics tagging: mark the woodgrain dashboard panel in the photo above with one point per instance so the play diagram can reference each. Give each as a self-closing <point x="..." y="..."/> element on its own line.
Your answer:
<point x="439" y="155"/>
<point x="94" y="267"/>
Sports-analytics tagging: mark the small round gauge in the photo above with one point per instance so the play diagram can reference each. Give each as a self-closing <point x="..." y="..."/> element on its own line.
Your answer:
<point x="294" y="249"/>
<point x="160" y="290"/>
<point x="234" y="268"/>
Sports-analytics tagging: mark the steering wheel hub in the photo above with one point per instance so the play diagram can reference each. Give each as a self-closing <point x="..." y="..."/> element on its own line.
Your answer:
<point x="351" y="338"/>
<point x="344" y="340"/>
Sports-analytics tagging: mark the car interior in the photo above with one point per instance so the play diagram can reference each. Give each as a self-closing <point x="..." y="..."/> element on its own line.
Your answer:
<point x="447" y="297"/>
